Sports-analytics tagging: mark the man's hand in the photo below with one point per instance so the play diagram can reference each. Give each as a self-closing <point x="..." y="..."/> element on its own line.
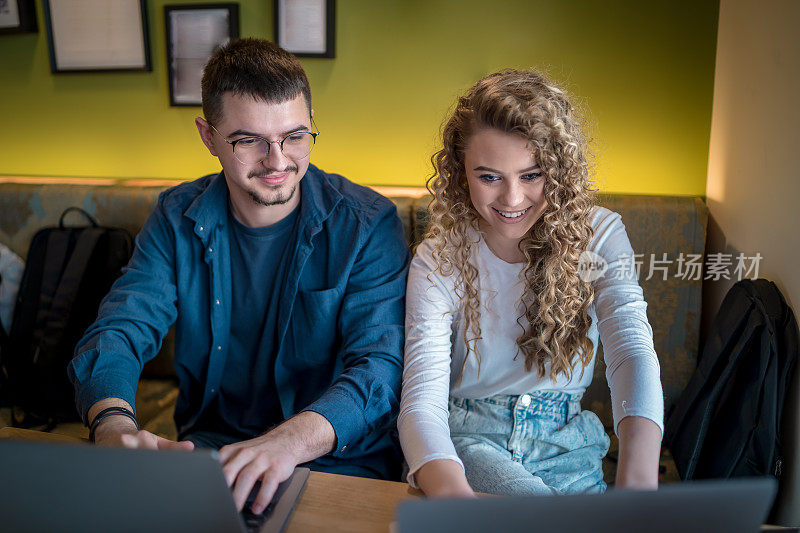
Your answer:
<point x="119" y="430"/>
<point x="265" y="459"/>
<point x="271" y="458"/>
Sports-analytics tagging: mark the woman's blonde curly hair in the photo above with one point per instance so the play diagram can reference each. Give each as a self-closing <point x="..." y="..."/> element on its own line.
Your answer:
<point x="556" y="301"/>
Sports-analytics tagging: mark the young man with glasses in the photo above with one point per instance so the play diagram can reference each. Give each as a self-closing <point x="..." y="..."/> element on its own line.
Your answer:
<point x="286" y="285"/>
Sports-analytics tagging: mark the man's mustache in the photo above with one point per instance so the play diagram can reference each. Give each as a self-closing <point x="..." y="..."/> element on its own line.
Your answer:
<point x="267" y="172"/>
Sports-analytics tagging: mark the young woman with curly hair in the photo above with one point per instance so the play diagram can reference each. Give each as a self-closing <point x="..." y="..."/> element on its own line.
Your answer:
<point x="502" y="323"/>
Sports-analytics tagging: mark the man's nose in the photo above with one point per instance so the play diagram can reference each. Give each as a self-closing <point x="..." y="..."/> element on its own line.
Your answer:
<point x="275" y="159"/>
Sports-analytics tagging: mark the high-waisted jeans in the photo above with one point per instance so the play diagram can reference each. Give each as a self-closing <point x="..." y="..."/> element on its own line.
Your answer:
<point x="537" y="443"/>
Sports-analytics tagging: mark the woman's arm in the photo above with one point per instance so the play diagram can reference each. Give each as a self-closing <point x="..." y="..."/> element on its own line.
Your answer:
<point x="443" y="478"/>
<point x="632" y="367"/>
<point x="423" y="425"/>
<point x="639" y="451"/>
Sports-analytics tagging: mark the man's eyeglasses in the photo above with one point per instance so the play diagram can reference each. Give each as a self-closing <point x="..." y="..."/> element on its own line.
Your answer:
<point x="253" y="150"/>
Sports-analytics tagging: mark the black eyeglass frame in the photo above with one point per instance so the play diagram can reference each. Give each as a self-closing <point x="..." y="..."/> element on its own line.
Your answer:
<point x="313" y="134"/>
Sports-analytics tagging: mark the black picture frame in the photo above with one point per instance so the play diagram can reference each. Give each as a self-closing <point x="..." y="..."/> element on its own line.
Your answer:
<point x="64" y="61"/>
<point x="328" y="26"/>
<point x="23" y="21"/>
<point x="186" y="69"/>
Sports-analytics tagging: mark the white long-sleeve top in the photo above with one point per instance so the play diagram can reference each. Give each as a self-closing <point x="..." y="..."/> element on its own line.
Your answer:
<point x="435" y="346"/>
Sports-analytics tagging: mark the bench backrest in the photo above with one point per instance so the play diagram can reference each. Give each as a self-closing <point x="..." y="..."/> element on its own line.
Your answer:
<point x="656" y="225"/>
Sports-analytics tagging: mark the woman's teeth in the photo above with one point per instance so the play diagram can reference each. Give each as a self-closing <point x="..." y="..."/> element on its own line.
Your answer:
<point x="511" y="214"/>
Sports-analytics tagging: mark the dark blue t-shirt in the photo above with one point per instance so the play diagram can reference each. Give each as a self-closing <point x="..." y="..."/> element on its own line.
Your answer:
<point x="247" y="403"/>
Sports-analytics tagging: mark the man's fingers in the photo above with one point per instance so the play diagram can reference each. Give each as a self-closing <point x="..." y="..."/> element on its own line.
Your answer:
<point x="166" y="444"/>
<point x="245" y="480"/>
<point x="269" y="484"/>
<point x="234" y="461"/>
<point x="225" y="453"/>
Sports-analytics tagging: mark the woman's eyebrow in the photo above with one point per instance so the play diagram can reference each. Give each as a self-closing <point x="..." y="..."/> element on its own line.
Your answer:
<point x="523" y="171"/>
<point x="529" y="169"/>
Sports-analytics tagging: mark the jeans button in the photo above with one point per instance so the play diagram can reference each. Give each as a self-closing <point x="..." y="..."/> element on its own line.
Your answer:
<point x="525" y="400"/>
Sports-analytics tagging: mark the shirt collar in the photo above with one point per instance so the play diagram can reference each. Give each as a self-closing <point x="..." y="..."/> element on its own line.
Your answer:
<point x="317" y="200"/>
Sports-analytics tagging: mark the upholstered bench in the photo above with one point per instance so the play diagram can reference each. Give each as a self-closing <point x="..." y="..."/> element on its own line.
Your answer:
<point x="657" y="225"/>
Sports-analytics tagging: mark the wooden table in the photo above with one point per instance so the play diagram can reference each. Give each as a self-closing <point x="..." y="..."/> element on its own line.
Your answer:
<point x="330" y="502"/>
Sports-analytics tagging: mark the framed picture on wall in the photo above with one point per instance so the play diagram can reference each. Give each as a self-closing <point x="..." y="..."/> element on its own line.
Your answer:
<point x="97" y="35"/>
<point x="194" y="31"/>
<point x="306" y="28"/>
<point x="18" y="16"/>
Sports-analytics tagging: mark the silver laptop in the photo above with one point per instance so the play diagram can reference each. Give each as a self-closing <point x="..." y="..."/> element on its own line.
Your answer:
<point x="74" y="487"/>
<point x="730" y="506"/>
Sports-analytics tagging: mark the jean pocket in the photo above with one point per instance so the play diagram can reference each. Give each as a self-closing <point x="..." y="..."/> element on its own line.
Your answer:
<point x="591" y="429"/>
<point x="458" y="412"/>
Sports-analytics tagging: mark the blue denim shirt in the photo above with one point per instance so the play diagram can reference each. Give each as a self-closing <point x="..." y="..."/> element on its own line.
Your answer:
<point x="340" y="322"/>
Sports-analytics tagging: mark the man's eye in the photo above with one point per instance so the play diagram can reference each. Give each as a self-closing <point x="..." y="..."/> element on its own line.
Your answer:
<point x="532" y="176"/>
<point x="489" y="178"/>
<point x="248" y="141"/>
<point x="295" y="137"/>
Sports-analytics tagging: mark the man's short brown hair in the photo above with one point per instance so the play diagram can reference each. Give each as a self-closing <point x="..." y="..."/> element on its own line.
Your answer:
<point x="253" y="67"/>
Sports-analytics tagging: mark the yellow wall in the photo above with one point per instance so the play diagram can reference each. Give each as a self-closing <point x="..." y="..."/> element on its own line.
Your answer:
<point x="644" y="69"/>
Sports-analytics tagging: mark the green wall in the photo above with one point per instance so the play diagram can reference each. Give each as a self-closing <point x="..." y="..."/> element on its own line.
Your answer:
<point x="644" y="71"/>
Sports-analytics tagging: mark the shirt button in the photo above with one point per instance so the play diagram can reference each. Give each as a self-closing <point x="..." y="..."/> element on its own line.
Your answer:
<point x="216" y="302"/>
<point x="219" y="347"/>
<point x="525" y="400"/>
<point x="213" y="390"/>
<point x="210" y="249"/>
<point x="343" y="448"/>
<point x="201" y="228"/>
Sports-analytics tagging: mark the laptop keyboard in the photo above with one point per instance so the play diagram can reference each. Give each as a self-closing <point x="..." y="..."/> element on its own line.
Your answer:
<point x="253" y="521"/>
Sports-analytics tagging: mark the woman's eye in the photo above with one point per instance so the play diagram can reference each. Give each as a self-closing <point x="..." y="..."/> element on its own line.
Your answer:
<point x="532" y="176"/>
<point x="489" y="178"/>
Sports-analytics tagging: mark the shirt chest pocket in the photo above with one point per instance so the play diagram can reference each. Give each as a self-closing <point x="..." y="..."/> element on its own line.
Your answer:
<point x="315" y="319"/>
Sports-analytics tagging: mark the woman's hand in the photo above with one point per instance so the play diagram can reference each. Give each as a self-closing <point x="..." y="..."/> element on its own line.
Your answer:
<point x="639" y="451"/>
<point x="443" y="478"/>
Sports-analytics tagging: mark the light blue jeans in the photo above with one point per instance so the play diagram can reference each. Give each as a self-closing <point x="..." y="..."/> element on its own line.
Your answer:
<point x="538" y="443"/>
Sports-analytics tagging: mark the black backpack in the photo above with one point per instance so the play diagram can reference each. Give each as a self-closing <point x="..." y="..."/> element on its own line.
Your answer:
<point x="67" y="273"/>
<point x="727" y="421"/>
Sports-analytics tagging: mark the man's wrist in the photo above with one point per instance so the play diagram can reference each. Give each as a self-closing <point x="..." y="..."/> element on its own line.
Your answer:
<point x="115" y="424"/>
<point x="114" y="410"/>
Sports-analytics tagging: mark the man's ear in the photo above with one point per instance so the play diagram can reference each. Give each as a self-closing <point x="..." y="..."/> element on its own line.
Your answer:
<point x="206" y="135"/>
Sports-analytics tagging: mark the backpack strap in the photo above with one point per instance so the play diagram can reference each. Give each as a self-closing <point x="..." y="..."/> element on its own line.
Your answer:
<point x="705" y="385"/>
<point x="58" y="315"/>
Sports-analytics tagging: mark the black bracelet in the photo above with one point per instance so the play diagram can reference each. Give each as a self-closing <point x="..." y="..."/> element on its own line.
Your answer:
<point x="110" y="411"/>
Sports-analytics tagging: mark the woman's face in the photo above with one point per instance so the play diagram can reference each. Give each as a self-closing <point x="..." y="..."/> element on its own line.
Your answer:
<point x="506" y="186"/>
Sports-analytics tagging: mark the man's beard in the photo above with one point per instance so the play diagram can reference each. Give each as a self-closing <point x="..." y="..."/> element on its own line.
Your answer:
<point x="279" y="199"/>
